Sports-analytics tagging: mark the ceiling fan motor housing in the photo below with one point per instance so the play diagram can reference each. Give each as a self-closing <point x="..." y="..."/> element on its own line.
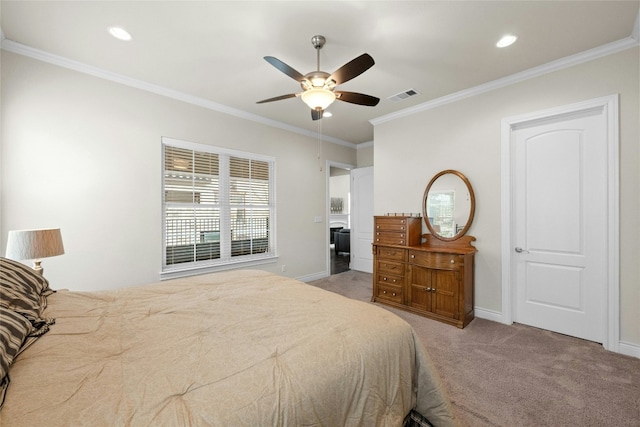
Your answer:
<point x="317" y="79"/>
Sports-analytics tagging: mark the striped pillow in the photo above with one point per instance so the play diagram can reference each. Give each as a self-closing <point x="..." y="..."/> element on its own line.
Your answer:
<point x="14" y="330"/>
<point x="24" y="291"/>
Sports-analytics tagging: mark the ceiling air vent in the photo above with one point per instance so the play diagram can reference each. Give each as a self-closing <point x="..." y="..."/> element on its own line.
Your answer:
<point x="403" y="95"/>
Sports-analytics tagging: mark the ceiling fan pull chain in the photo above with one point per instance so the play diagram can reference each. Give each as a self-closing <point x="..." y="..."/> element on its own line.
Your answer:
<point x="319" y="142"/>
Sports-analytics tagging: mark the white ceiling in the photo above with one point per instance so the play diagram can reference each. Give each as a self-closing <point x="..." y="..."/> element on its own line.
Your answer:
<point x="213" y="51"/>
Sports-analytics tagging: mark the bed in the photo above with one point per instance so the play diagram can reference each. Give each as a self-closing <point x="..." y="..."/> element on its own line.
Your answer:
<point x="240" y="348"/>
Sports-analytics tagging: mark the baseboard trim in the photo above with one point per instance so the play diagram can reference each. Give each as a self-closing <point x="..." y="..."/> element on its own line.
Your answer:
<point x="483" y="313"/>
<point x="315" y="276"/>
<point x="630" y="349"/>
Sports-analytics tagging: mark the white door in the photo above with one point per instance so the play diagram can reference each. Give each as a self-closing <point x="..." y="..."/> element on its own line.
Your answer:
<point x="559" y="185"/>
<point x="362" y="219"/>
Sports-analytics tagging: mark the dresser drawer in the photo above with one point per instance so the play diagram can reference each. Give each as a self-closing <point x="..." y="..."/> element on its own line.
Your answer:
<point x="436" y="259"/>
<point x="390" y="292"/>
<point x="388" y="238"/>
<point x="390" y="279"/>
<point x="391" y="224"/>
<point x="391" y="254"/>
<point x="391" y="267"/>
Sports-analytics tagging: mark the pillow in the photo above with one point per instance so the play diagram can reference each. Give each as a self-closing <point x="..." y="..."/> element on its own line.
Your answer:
<point x="24" y="291"/>
<point x="14" y="330"/>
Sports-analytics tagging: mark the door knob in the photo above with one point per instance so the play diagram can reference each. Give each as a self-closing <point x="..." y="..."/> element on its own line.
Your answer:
<point x="520" y="250"/>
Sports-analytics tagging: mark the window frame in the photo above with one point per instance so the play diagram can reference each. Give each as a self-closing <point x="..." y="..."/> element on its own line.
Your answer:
<point x="226" y="260"/>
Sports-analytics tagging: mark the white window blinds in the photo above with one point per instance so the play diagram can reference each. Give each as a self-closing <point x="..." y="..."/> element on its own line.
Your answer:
<point x="218" y="206"/>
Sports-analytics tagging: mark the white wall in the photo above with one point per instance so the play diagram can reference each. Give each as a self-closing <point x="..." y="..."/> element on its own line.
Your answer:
<point x="465" y="135"/>
<point x="84" y="154"/>
<point x="365" y="154"/>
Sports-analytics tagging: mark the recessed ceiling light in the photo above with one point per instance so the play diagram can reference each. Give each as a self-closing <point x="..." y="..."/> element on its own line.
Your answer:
<point x="507" y="40"/>
<point x="120" y="33"/>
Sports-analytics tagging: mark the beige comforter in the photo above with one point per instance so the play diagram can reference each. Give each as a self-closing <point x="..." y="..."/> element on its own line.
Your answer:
<point x="227" y="349"/>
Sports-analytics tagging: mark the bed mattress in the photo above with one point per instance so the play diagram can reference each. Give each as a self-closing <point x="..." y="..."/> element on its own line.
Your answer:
<point x="241" y="348"/>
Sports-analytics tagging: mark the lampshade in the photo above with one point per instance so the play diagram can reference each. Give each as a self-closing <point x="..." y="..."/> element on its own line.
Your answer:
<point x="34" y="244"/>
<point x="318" y="98"/>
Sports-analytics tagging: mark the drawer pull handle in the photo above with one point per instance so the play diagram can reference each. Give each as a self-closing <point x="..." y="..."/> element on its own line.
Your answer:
<point x="384" y="292"/>
<point x="393" y="294"/>
<point x="394" y="280"/>
<point x="453" y="261"/>
<point x="384" y="278"/>
<point x="413" y="256"/>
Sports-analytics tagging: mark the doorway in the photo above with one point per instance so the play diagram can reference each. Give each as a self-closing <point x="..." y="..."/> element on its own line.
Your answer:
<point x="339" y="217"/>
<point x="560" y="220"/>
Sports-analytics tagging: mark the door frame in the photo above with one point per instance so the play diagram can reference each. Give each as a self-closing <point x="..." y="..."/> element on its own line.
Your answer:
<point x="328" y="165"/>
<point x="609" y="107"/>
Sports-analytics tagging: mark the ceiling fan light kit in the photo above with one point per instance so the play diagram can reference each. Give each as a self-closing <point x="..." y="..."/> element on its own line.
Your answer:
<point x="318" y="98"/>
<point x="318" y="87"/>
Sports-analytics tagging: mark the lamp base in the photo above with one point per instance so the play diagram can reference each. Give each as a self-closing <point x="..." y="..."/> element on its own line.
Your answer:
<point x="37" y="267"/>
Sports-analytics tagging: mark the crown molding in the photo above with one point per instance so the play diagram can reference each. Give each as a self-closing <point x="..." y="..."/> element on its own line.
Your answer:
<point x="569" y="61"/>
<point x="24" y="50"/>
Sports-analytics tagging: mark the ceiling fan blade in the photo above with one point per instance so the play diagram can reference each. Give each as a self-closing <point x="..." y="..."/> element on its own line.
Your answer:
<point x="278" y="98"/>
<point x="316" y="114"/>
<point x="295" y="75"/>
<point x="357" y="98"/>
<point x="352" y="69"/>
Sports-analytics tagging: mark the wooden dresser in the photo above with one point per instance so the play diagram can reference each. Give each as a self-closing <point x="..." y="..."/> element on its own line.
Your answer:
<point x="433" y="279"/>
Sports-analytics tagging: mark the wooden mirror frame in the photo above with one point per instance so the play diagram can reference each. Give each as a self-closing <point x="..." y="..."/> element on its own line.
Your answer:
<point x="472" y="209"/>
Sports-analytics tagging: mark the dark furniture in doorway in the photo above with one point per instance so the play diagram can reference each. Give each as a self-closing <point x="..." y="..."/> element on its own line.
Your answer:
<point x="342" y="241"/>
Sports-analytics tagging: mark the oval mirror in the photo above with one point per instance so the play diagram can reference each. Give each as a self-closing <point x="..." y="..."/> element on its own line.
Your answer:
<point x="448" y="205"/>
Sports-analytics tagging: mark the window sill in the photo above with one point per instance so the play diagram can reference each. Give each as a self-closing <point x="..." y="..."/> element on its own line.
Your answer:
<point x="175" y="272"/>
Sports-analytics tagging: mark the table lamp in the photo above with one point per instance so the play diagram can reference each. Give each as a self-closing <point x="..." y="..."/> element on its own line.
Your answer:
<point x="34" y="244"/>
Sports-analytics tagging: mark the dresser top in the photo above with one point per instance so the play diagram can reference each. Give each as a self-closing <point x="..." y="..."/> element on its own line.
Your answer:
<point x="461" y="245"/>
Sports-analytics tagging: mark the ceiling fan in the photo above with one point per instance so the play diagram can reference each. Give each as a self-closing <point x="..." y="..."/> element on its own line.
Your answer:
<point x="319" y="87"/>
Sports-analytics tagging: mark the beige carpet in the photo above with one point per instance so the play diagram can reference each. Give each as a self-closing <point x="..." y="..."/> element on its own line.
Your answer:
<point x="500" y="375"/>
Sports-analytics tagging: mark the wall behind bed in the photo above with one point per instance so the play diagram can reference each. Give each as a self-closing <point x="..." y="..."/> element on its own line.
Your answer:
<point x="82" y="153"/>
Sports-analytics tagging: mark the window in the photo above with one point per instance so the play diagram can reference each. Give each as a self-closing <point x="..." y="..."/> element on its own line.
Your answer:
<point x="441" y="212"/>
<point x="217" y="205"/>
